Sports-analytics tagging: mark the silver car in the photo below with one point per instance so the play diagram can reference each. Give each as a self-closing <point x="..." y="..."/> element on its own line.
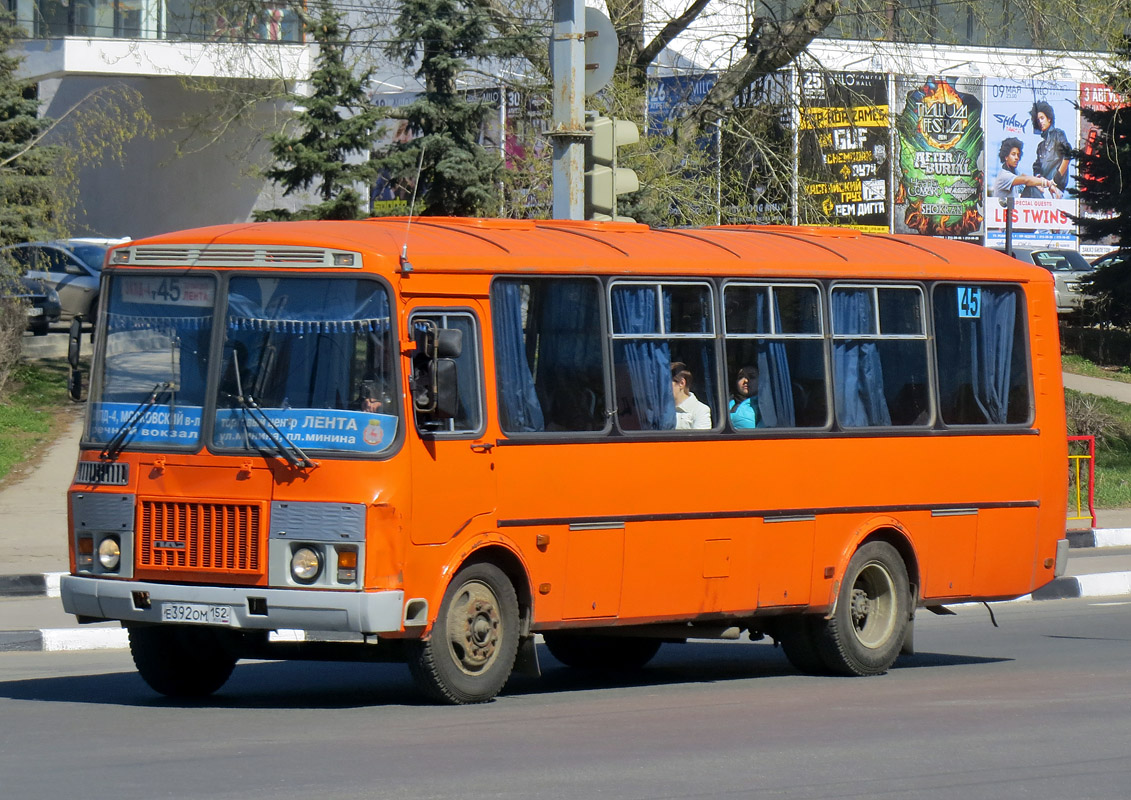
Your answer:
<point x="72" y="267"/>
<point x="1068" y="267"/>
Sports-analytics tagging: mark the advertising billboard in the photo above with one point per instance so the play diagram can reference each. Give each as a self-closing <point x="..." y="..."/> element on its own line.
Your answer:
<point x="845" y="145"/>
<point x="1030" y="126"/>
<point x="1097" y="96"/>
<point x="940" y="171"/>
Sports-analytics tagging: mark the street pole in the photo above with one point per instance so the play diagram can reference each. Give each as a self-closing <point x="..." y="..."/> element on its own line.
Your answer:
<point x="567" y="130"/>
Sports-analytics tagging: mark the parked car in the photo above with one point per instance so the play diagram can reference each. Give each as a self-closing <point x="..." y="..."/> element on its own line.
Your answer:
<point x="71" y="266"/>
<point x="42" y="301"/>
<point x="1107" y="259"/>
<point x="1068" y="267"/>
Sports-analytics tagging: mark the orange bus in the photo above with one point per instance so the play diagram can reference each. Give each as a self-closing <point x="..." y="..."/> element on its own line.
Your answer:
<point x="431" y="440"/>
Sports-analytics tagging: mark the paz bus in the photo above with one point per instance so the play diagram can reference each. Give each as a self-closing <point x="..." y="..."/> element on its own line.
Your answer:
<point x="431" y="440"/>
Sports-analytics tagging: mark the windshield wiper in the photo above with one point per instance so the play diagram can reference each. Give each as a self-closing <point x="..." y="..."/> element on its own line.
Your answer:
<point x="283" y="445"/>
<point x="118" y="440"/>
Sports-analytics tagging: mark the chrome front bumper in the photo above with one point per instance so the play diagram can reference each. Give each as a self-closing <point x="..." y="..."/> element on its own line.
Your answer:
<point x="137" y="601"/>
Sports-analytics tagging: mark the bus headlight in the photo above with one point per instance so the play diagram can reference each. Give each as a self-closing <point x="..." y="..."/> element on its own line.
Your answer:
<point x="306" y="564"/>
<point x="109" y="553"/>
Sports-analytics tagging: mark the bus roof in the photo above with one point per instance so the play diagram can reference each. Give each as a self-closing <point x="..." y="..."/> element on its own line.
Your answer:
<point x="457" y="244"/>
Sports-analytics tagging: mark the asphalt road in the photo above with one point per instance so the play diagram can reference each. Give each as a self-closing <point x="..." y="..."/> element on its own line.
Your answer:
<point x="1037" y="708"/>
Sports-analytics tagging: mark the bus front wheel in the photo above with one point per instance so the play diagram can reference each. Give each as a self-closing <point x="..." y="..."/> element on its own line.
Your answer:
<point x="865" y="633"/>
<point x="180" y="661"/>
<point x="471" y="652"/>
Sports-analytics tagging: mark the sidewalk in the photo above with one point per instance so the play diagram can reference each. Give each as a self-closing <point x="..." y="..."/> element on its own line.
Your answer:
<point x="34" y="538"/>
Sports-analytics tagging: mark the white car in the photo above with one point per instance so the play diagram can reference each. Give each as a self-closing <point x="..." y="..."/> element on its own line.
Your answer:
<point x="1068" y="267"/>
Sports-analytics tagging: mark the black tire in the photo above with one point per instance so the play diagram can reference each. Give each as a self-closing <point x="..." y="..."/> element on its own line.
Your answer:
<point x="179" y="661"/>
<point x="866" y="632"/>
<point x="92" y="316"/>
<point x="601" y="652"/>
<point x="798" y="639"/>
<point x="472" y="647"/>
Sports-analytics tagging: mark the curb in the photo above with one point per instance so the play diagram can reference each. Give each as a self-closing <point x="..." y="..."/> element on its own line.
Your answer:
<point x="63" y="639"/>
<point x="1100" y="537"/>
<point x="43" y="584"/>
<point x="1103" y="584"/>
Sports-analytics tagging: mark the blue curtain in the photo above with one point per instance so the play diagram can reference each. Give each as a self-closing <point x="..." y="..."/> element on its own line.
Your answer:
<point x="858" y="384"/>
<point x="991" y="354"/>
<point x="648" y="361"/>
<point x="775" y="385"/>
<point x="519" y="410"/>
<point x="298" y="348"/>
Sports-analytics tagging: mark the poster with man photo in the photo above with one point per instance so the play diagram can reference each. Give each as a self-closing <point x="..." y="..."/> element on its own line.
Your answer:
<point x="844" y="149"/>
<point x="940" y="168"/>
<point x="1030" y="126"/>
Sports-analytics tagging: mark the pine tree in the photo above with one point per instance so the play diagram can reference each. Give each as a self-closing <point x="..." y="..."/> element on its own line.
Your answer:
<point x="458" y="176"/>
<point x="1104" y="184"/>
<point x="1105" y="164"/>
<point x="28" y="186"/>
<point x="337" y="122"/>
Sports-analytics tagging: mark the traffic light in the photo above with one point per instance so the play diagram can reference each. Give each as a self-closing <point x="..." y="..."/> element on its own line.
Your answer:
<point x="604" y="180"/>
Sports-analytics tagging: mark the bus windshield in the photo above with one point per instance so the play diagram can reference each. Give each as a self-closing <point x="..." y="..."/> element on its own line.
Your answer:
<point x="307" y="362"/>
<point x="154" y="373"/>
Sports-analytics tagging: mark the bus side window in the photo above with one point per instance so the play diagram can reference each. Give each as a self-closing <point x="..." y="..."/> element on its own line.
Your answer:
<point x="549" y="358"/>
<point x="880" y="356"/>
<point x="980" y="345"/>
<point x="468" y="416"/>
<point x="655" y="326"/>
<point x="776" y="332"/>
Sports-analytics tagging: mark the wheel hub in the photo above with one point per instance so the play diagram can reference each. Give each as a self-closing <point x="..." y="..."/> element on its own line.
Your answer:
<point x="474" y="627"/>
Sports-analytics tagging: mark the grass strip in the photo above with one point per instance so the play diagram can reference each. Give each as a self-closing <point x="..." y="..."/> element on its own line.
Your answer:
<point x="33" y="412"/>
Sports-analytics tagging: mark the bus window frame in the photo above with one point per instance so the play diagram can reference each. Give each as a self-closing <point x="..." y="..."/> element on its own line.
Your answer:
<point x="926" y="315"/>
<point x="1026" y="340"/>
<point x="608" y="395"/>
<point x="220" y="336"/>
<point x="215" y="342"/>
<point x="720" y="421"/>
<point x="822" y="336"/>
<point x="480" y="388"/>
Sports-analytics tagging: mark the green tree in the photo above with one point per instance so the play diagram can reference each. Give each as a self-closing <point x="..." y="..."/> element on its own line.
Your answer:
<point x="337" y="122"/>
<point x="29" y="207"/>
<point x="1104" y="184"/>
<point x="458" y="176"/>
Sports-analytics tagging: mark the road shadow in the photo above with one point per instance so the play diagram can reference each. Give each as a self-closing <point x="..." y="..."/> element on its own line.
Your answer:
<point x="343" y="685"/>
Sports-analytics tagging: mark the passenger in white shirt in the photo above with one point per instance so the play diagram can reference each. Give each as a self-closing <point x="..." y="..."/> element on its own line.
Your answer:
<point x="690" y="414"/>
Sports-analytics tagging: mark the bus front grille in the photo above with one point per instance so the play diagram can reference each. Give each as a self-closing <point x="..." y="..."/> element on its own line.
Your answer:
<point x="200" y="536"/>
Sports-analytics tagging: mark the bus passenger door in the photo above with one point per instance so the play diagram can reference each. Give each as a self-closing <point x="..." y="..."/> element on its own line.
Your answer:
<point x="452" y="467"/>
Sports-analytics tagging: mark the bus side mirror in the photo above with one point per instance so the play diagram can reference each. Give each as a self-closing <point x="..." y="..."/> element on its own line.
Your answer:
<point x="74" y="352"/>
<point x="435" y="386"/>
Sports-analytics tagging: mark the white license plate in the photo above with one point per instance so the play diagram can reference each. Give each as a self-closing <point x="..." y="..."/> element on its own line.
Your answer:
<point x="196" y="613"/>
<point x="35" y="312"/>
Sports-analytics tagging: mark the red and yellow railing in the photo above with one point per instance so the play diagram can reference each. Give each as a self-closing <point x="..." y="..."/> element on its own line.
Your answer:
<point x="1081" y="473"/>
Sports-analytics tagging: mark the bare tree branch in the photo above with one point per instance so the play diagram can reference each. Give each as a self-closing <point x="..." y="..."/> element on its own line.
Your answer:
<point x="667" y="34"/>
<point x="769" y="47"/>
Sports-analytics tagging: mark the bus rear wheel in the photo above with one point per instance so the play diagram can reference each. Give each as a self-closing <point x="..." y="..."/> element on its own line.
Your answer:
<point x="865" y="633"/>
<point x="180" y="661"/>
<point x="601" y="652"/>
<point x="471" y="651"/>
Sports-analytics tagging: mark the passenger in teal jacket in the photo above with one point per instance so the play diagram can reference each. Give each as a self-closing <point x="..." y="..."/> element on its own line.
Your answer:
<point x="743" y="404"/>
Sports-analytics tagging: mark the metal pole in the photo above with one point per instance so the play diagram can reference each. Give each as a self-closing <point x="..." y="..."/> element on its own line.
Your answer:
<point x="567" y="130"/>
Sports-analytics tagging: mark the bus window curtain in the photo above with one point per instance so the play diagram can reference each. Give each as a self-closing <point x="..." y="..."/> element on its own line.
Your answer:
<point x="859" y="379"/>
<point x="992" y="353"/>
<point x="519" y="410"/>
<point x="648" y="361"/>
<point x="775" y="385"/>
